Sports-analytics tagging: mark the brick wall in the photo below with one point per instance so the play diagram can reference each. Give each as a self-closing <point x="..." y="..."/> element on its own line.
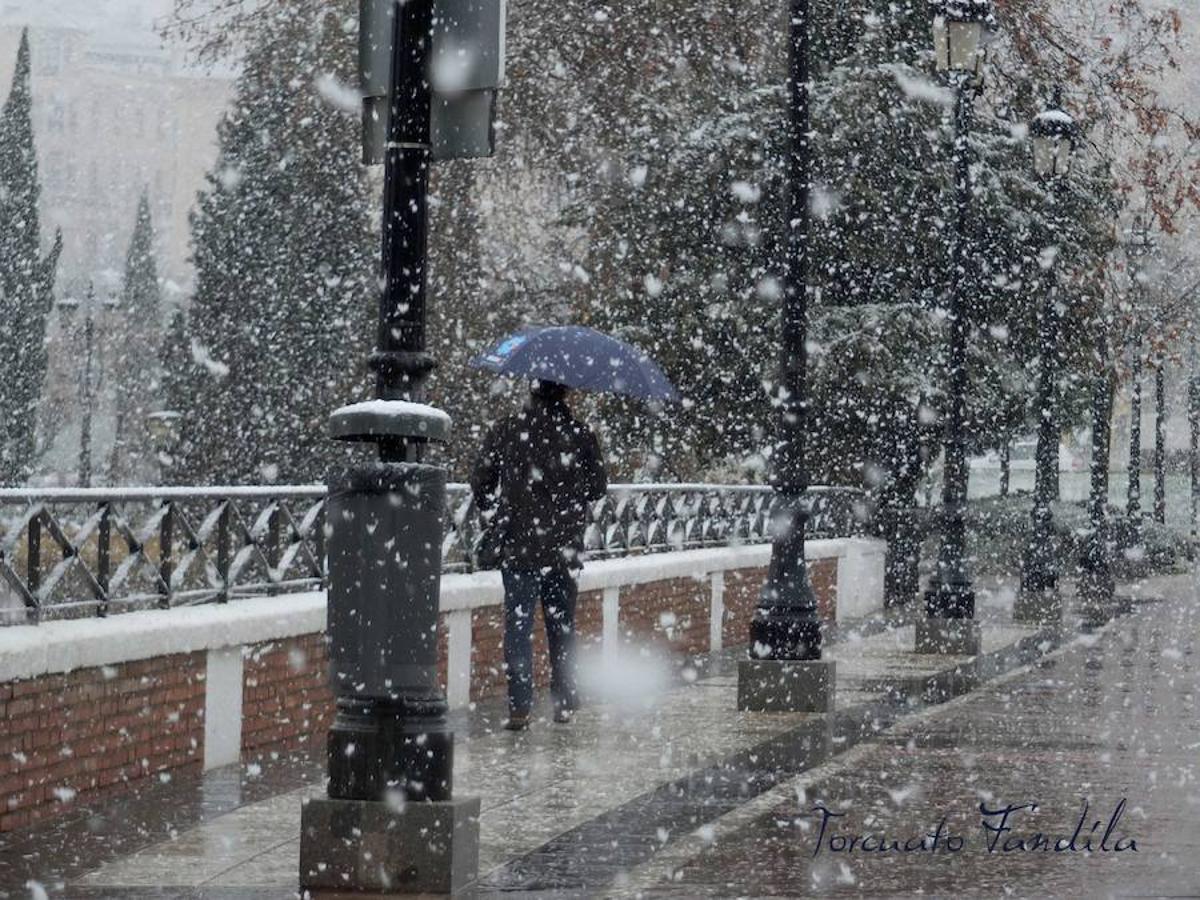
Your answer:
<point x="80" y="737"/>
<point x="672" y="615"/>
<point x="742" y="588"/>
<point x="824" y="576"/>
<point x="94" y="732"/>
<point x="287" y="702"/>
<point x="286" y="697"/>
<point x="741" y="596"/>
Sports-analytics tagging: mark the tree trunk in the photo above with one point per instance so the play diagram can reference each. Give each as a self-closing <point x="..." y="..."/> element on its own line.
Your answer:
<point x="1054" y="476"/>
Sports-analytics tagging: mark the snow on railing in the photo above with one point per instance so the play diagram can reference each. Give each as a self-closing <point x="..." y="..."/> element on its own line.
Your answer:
<point x="71" y="552"/>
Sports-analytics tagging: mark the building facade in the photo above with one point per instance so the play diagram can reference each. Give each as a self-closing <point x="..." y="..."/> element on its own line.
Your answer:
<point x="115" y="112"/>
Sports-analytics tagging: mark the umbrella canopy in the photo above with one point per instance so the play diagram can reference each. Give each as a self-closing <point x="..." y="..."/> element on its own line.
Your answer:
<point x="581" y="358"/>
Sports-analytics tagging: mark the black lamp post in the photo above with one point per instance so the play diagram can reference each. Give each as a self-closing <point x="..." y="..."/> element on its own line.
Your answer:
<point x="1193" y="407"/>
<point x="959" y="29"/>
<point x="1160" y="443"/>
<point x="1054" y="135"/>
<point x="785" y="669"/>
<point x="1095" y="586"/>
<point x="1137" y="248"/>
<point x="390" y="823"/>
<point x="91" y="375"/>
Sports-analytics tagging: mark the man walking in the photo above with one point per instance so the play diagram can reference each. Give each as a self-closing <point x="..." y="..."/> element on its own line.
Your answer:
<point x="539" y="470"/>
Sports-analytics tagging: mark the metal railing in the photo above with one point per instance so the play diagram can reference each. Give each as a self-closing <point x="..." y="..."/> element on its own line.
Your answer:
<point x="79" y="552"/>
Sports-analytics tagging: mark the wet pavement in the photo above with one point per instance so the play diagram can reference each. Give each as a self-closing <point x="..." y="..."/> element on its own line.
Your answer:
<point x="1106" y="721"/>
<point x="673" y="792"/>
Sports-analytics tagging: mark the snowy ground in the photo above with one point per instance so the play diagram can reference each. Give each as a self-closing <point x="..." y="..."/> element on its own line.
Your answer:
<point x="674" y="792"/>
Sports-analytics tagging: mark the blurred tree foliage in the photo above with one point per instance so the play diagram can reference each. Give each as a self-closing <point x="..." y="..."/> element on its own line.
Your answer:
<point x="284" y="251"/>
<point x="637" y="187"/>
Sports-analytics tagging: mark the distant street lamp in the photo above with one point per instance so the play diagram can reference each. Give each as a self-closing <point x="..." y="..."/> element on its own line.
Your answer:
<point x="1096" y="587"/>
<point x="89" y="378"/>
<point x="785" y="670"/>
<point x="959" y="31"/>
<point x="1055" y="135"/>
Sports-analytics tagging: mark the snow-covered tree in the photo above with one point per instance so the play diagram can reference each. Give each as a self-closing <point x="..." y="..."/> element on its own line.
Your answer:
<point x="26" y="279"/>
<point x="134" y="349"/>
<point x="285" y="262"/>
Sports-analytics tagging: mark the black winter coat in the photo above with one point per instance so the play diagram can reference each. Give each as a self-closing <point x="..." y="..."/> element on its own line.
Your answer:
<point x="541" y="469"/>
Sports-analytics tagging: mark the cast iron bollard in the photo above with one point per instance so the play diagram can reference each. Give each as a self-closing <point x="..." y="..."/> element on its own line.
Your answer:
<point x="389" y="823"/>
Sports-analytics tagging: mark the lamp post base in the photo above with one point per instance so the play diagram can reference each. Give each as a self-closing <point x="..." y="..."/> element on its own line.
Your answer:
<point x="786" y="685"/>
<point x="377" y="747"/>
<point x="1038" y="607"/>
<point x="951" y="637"/>
<point x="372" y="847"/>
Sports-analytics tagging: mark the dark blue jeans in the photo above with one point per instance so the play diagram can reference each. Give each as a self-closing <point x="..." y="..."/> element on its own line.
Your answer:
<point x="556" y="590"/>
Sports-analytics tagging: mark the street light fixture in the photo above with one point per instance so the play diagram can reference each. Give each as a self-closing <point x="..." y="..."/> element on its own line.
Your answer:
<point x="1055" y="135"/>
<point x="960" y="34"/>
<point x="960" y="31"/>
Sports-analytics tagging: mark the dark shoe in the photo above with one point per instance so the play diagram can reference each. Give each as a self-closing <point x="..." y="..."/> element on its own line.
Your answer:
<point x="563" y="715"/>
<point x="517" y="721"/>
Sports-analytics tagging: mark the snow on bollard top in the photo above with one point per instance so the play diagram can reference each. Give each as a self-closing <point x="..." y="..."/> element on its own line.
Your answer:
<point x="374" y="419"/>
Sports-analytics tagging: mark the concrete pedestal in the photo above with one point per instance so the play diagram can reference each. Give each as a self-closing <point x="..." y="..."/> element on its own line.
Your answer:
<point x="375" y="848"/>
<point x="1038" y="607"/>
<point x="953" y="637"/>
<point x="1122" y="605"/>
<point x="786" y="685"/>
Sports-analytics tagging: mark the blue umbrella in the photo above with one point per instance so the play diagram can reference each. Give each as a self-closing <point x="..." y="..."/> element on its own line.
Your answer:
<point x="581" y="358"/>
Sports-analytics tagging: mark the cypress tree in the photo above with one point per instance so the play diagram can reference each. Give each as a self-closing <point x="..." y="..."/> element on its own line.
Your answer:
<point x="136" y="370"/>
<point x="26" y="280"/>
<point x="284" y="256"/>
